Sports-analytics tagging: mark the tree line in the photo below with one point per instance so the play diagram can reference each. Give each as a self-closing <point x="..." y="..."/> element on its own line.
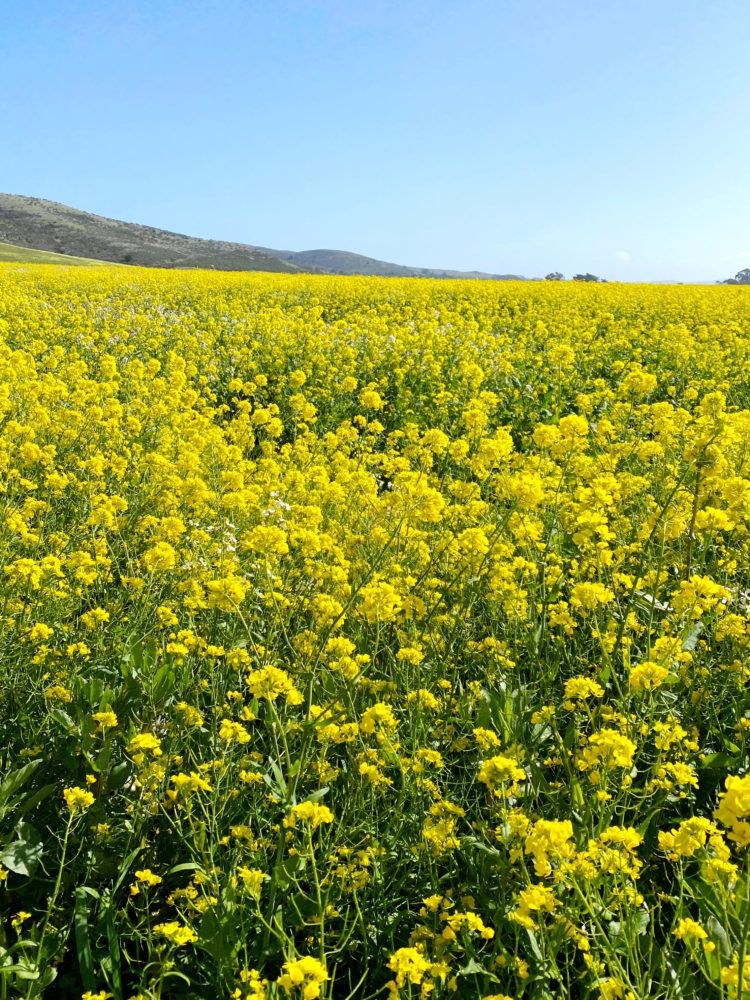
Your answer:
<point x="557" y="276"/>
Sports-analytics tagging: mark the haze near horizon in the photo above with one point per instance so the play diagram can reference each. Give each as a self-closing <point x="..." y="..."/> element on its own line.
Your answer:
<point x="503" y="137"/>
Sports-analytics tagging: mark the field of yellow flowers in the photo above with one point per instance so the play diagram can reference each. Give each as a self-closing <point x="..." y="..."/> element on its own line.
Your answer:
<point x="373" y="638"/>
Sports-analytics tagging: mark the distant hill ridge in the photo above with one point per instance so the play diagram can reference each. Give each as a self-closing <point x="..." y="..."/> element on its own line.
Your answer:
<point x="38" y="224"/>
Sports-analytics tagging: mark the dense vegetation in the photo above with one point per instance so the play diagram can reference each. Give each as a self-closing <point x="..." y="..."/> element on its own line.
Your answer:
<point x="373" y="637"/>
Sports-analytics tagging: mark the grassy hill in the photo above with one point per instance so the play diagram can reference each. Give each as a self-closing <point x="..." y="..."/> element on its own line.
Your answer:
<point x="24" y="255"/>
<point x="48" y="225"/>
<point x="35" y="224"/>
<point x="343" y="262"/>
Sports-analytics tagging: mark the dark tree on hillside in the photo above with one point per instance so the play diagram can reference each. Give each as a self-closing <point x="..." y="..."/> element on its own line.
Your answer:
<point x="587" y="277"/>
<point x="741" y="278"/>
<point x="554" y="276"/>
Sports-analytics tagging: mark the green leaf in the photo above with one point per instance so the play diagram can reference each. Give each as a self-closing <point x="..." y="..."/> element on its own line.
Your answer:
<point x="214" y="936"/>
<point x="114" y="951"/>
<point x="163" y="683"/>
<point x="716" y="761"/>
<point x="481" y="846"/>
<point x="125" y="869"/>
<point x="317" y="795"/>
<point x="277" y="784"/>
<point x="141" y="655"/>
<point x="534" y="945"/>
<point x="472" y="968"/>
<point x="15" y="780"/>
<point x="187" y="866"/>
<point x="118" y="776"/>
<point x="691" y="639"/>
<point x="22" y="855"/>
<point x="30" y="802"/>
<point x="83" y="940"/>
<point x="285" y="872"/>
<point x="64" y="721"/>
<point x="719" y="935"/>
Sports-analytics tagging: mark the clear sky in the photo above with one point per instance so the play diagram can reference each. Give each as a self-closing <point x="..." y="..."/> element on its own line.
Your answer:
<point x="520" y="136"/>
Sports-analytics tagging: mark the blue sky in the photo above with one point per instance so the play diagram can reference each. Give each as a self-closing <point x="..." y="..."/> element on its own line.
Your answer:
<point x="504" y="135"/>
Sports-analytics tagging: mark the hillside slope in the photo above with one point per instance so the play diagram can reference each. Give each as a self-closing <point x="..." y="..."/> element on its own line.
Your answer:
<point x="38" y="224"/>
<point x="23" y="255"/>
<point x="48" y="225"/>
<point x="344" y="262"/>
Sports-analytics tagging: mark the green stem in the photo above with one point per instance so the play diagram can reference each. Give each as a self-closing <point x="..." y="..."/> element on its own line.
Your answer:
<point x="52" y="901"/>
<point x="318" y="896"/>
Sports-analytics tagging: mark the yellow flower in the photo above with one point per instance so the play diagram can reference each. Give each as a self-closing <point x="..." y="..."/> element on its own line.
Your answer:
<point x="425" y="698"/>
<point x="647" y="676"/>
<point x="233" y="732"/>
<point x="470" y="923"/>
<point x="378" y="717"/>
<point x="166" y="616"/>
<point x="147" y="877"/>
<point x="734" y="807"/>
<point x="380" y="602"/>
<point x="486" y="739"/>
<point x="535" y="899"/>
<point x="160" y="558"/>
<point x="730" y="977"/>
<point x="611" y="989"/>
<point x="586" y="597"/>
<point x="227" y="593"/>
<point x="549" y="839"/>
<point x="193" y="782"/>
<point x="105" y="720"/>
<point x="371" y="400"/>
<point x="501" y="774"/>
<point x="176" y="933"/>
<point x="607" y="748"/>
<point x="690" y="930"/>
<point x="311" y="813"/>
<point x="40" y="632"/>
<point x="581" y="688"/>
<point x="77" y="800"/>
<point x="253" y="987"/>
<point x="691" y="836"/>
<point x="272" y="683"/>
<point x="252" y="880"/>
<point x="622" y="836"/>
<point x="145" y="742"/>
<point x="190" y="715"/>
<point x="97" y="616"/>
<point x="58" y="692"/>
<point x="304" y="974"/>
<point x="400" y="538"/>
<point x="409" y="965"/>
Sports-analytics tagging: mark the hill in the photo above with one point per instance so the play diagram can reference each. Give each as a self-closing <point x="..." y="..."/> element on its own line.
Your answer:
<point x="344" y="262"/>
<point x="41" y="225"/>
<point x="24" y="255"/>
<point x="48" y="225"/>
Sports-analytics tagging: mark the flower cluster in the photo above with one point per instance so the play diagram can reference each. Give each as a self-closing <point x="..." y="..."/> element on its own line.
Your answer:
<point x="373" y="637"/>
